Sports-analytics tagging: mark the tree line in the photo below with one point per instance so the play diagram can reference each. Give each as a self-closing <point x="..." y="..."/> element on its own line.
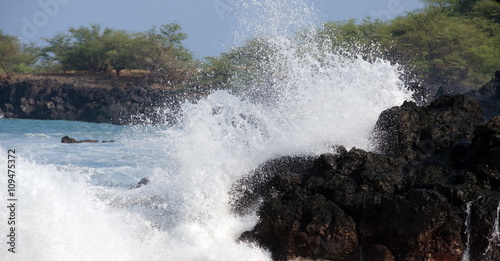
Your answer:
<point x="454" y="44"/>
<point x="97" y="49"/>
<point x="449" y="43"/>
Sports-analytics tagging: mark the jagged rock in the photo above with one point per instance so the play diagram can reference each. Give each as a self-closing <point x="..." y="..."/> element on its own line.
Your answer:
<point x="413" y="131"/>
<point x="405" y="202"/>
<point x="308" y="225"/>
<point x="414" y="224"/>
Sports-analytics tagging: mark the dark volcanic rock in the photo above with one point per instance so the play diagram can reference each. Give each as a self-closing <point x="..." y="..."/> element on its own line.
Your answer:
<point x="406" y="202"/>
<point x="489" y="97"/>
<point x="50" y="100"/>
<point x="484" y="214"/>
<point x="304" y="220"/>
<point x="409" y="130"/>
<point x="67" y="139"/>
<point x="142" y="182"/>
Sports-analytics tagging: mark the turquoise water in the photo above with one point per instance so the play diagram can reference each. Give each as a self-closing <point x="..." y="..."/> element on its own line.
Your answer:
<point x="119" y="163"/>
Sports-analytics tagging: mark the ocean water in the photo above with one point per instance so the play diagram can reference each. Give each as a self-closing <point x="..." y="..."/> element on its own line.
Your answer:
<point x="109" y="163"/>
<point x="75" y="202"/>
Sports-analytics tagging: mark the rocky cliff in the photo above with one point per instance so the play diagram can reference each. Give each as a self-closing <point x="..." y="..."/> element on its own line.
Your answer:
<point x="48" y="99"/>
<point x="430" y="191"/>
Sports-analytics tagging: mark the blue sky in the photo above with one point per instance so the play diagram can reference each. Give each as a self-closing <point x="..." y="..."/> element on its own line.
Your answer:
<point x="208" y="23"/>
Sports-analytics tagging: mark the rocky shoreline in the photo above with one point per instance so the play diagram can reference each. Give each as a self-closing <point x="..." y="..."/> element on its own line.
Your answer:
<point x="49" y="99"/>
<point x="63" y="97"/>
<point x="429" y="192"/>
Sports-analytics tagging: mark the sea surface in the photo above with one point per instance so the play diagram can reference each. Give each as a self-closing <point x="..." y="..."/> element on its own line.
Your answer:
<point x="76" y="201"/>
<point x="114" y="164"/>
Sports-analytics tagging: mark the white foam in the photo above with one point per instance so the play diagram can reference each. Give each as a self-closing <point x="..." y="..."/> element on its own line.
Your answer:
<point x="315" y="98"/>
<point x="61" y="217"/>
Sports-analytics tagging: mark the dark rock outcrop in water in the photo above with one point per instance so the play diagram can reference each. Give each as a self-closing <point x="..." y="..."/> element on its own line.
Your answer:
<point x="142" y="182"/>
<point x="67" y="139"/>
<point x="408" y="201"/>
<point x="47" y="99"/>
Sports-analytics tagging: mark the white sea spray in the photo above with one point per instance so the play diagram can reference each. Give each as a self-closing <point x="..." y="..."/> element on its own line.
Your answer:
<point x="316" y="97"/>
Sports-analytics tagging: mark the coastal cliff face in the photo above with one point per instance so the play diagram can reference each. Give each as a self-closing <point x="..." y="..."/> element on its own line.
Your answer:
<point x="430" y="191"/>
<point x="48" y="99"/>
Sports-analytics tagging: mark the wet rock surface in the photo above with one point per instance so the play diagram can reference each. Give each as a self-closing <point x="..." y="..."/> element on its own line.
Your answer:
<point x="405" y="201"/>
<point x="67" y="139"/>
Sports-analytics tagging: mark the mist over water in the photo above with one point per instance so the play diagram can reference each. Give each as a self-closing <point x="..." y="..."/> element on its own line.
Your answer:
<point x="271" y="18"/>
<point x="309" y="99"/>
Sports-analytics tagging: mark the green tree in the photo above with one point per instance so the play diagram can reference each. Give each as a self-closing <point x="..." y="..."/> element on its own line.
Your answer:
<point x="162" y="52"/>
<point x="457" y="7"/>
<point x="159" y="50"/>
<point x="446" y="49"/>
<point x="441" y="3"/>
<point x="58" y="51"/>
<point x="17" y="57"/>
<point x="164" y="44"/>
<point x="120" y="49"/>
<point x="488" y="10"/>
<point x="10" y="49"/>
<point x="84" y="48"/>
<point x="28" y="59"/>
<point x="89" y="47"/>
<point x="365" y="38"/>
<point x="448" y="43"/>
<point x="240" y="67"/>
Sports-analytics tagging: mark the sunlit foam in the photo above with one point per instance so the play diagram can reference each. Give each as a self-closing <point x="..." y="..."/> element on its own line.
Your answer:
<point x="315" y="97"/>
